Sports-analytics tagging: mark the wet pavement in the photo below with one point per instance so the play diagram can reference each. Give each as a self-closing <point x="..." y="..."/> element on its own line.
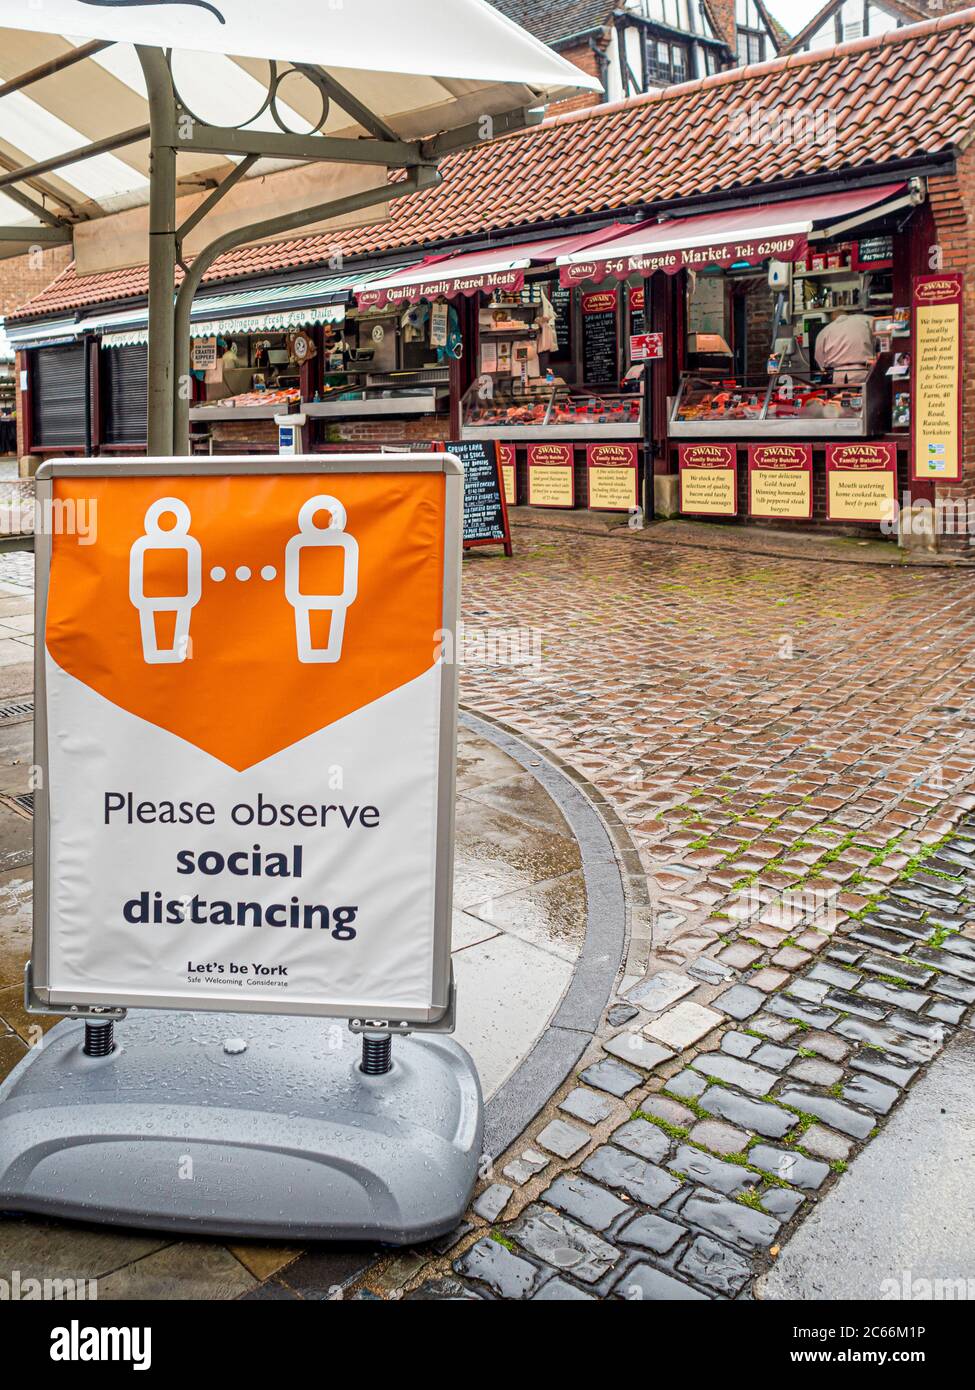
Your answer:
<point x="791" y="746"/>
<point x="787" y="750"/>
<point x="519" y="922"/>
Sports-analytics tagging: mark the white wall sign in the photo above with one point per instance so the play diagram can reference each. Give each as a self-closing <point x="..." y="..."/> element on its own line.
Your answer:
<point x="247" y="735"/>
<point x="204" y="354"/>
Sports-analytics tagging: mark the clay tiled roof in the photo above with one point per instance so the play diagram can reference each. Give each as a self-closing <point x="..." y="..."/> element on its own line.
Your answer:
<point x="904" y="96"/>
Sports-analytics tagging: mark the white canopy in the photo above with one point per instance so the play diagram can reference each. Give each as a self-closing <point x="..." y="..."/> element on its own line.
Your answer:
<point x="419" y="67"/>
<point x="331" y="96"/>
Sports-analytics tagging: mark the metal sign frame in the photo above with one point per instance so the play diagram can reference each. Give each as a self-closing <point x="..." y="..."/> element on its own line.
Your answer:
<point x="40" y="996"/>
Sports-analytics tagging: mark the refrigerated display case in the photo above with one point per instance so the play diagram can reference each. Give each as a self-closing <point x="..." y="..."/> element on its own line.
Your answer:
<point x="544" y="410"/>
<point x="785" y="405"/>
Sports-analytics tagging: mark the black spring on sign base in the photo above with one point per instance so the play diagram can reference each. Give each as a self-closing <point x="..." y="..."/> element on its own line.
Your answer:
<point x="377" y="1054"/>
<point x="99" y="1039"/>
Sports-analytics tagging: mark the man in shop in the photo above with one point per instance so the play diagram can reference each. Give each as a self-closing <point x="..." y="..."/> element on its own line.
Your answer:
<point x="845" y="347"/>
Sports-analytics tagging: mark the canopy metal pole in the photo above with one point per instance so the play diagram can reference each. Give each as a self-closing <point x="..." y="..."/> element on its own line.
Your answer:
<point x="426" y="176"/>
<point x="162" y="252"/>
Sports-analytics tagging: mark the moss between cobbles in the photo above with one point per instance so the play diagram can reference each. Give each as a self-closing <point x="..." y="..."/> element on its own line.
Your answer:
<point x="687" y="1101"/>
<point x="872" y="903"/>
<point x="503" y="1240"/>
<point x="806" y="1121"/>
<point x="925" y="852"/>
<point x="939" y="936"/>
<point x="675" y="1131"/>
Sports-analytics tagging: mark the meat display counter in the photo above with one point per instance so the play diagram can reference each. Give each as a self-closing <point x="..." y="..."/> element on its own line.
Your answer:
<point x="422" y="392"/>
<point x="786" y="405"/>
<point x="544" y="410"/>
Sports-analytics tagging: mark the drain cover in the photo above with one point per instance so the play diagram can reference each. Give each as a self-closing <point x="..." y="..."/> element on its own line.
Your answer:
<point x="15" y="713"/>
<point x="22" y="803"/>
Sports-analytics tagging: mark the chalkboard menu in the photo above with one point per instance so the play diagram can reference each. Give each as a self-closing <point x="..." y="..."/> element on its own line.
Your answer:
<point x="874" y="250"/>
<point x="485" y="512"/>
<point x="600" y="358"/>
<point x="638" y="319"/>
<point x="561" y="299"/>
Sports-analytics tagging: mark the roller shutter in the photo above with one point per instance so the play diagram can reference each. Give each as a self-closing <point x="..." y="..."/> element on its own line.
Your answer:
<point x="59" y="396"/>
<point x="125" y="385"/>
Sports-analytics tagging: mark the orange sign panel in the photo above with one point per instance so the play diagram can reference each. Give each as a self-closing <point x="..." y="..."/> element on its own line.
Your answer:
<point x="248" y="704"/>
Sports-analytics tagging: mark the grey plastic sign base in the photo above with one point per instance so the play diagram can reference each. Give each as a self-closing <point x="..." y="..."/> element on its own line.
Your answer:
<point x="242" y="1124"/>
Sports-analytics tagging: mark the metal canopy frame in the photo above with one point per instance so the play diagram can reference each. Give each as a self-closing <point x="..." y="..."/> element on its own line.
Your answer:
<point x="173" y="129"/>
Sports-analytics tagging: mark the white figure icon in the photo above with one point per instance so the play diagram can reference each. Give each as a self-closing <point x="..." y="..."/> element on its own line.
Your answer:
<point x="180" y="605"/>
<point x="312" y="536"/>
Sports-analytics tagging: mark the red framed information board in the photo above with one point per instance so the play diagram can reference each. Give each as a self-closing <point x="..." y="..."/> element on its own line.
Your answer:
<point x="861" y="482"/>
<point x="507" y="457"/>
<point x="780" y="481"/>
<point x="936" y="363"/>
<point x="613" y="476"/>
<point x="708" y="479"/>
<point x="551" y="475"/>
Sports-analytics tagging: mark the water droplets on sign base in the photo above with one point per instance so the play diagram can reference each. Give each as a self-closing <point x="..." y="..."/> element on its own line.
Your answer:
<point x="289" y="1139"/>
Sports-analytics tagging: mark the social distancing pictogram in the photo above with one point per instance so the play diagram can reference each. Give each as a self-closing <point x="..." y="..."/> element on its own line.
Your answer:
<point x="189" y="597"/>
<point x="188" y="588"/>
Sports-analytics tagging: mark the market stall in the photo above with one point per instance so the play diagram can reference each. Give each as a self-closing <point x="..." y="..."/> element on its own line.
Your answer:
<point x="788" y="330"/>
<point x="511" y="356"/>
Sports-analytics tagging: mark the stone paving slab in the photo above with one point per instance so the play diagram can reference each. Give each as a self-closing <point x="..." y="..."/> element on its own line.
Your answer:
<point x="871" y="1238"/>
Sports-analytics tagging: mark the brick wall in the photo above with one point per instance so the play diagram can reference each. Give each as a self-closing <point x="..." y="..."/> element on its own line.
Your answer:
<point x="583" y="56"/>
<point x="386" y="430"/>
<point x="953" y="207"/>
<point x="759" y="311"/>
<point x="20" y="365"/>
<point x="261" y="436"/>
<point x="24" y="276"/>
<point x="723" y="15"/>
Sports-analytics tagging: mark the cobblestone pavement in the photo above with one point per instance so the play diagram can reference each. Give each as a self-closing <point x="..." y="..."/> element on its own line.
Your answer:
<point x="792" y="747"/>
